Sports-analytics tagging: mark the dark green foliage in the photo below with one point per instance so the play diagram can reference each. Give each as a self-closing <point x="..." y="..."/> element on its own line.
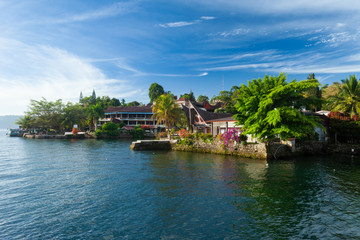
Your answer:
<point x="137" y="133"/>
<point x="202" y="98"/>
<point x="133" y="104"/>
<point x="243" y="137"/>
<point x="188" y="96"/>
<point x="228" y="99"/>
<point x="114" y="102"/>
<point x="270" y="106"/>
<point x="155" y="90"/>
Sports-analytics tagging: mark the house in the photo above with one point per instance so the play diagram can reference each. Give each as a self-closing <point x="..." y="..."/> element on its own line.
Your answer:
<point x="205" y="121"/>
<point x="131" y="116"/>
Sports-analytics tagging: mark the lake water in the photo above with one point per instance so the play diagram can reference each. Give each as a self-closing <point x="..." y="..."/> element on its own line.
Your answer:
<point x="96" y="189"/>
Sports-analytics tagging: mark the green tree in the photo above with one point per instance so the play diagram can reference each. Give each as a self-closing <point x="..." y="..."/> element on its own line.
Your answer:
<point x="188" y="96"/>
<point x="314" y="95"/>
<point x="114" y="102"/>
<point x="133" y="104"/>
<point x="202" y="98"/>
<point x="155" y="90"/>
<point x="74" y="114"/>
<point x="123" y="103"/>
<point x="270" y="107"/>
<point x="81" y="97"/>
<point x="166" y="111"/>
<point x="348" y="98"/>
<point x="46" y="114"/>
<point x="25" y="122"/>
<point x="227" y="98"/>
<point x="94" y="112"/>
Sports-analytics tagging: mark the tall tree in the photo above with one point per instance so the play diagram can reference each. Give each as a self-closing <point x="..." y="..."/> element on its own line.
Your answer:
<point x="93" y="98"/>
<point x="155" y="90"/>
<point x="270" y="106"/>
<point x="94" y="112"/>
<point x="166" y="111"/>
<point x="81" y="97"/>
<point x="314" y="95"/>
<point x="348" y="98"/>
<point x="46" y="114"/>
<point x="202" y="98"/>
<point x="188" y="96"/>
<point x="74" y="114"/>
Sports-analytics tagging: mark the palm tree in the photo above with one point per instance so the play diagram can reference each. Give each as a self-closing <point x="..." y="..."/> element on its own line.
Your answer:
<point x="348" y="98"/>
<point x="166" y="111"/>
<point x="94" y="112"/>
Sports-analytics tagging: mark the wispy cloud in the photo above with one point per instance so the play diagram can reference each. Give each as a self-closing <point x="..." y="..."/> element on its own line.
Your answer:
<point x="185" y="23"/>
<point x="104" y="12"/>
<point x="52" y="73"/>
<point x="335" y="39"/>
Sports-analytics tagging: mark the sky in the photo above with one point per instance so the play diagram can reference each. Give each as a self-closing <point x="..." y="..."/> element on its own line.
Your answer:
<point x="57" y="49"/>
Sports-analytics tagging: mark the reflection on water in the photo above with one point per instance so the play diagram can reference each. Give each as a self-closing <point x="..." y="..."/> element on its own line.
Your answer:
<point x="83" y="189"/>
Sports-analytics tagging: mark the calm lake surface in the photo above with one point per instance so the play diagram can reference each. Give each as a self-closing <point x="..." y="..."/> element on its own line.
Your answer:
<point x="88" y="189"/>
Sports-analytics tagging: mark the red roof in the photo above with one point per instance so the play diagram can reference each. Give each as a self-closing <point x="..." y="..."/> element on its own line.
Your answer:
<point x="142" y="109"/>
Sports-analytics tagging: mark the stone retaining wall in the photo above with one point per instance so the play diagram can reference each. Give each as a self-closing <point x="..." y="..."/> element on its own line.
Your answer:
<point x="250" y="150"/>
<point x="143" y="145"/>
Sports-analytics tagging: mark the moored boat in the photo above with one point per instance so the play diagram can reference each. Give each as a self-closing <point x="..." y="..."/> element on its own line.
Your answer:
<point x="15" y="132"/>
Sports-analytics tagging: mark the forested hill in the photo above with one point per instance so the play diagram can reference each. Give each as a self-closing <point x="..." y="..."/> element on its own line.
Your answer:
<point x="8" y="121"/>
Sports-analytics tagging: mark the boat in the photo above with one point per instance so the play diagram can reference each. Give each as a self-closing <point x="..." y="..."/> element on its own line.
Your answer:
<point x="15" y="132"/>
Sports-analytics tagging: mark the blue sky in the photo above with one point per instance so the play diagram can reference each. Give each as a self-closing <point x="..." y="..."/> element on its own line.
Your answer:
<point x="56" y="49"/>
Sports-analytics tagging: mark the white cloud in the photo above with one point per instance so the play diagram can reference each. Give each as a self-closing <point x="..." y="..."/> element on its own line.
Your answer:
<point x="207" y="18"/>
<point x="31" y="72"/>
<point x="177" y="24"/>
<point x="104" y="12"/>
<point x="185" y="23"/>
<point x="283" y="6"/>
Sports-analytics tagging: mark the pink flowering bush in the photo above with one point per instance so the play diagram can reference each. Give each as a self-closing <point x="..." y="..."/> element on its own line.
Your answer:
<point x="227" y="139"/>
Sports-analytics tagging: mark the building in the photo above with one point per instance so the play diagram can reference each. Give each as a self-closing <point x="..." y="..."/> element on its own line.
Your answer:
<point x="205" y="121"/>
<point x="131" y="116"/>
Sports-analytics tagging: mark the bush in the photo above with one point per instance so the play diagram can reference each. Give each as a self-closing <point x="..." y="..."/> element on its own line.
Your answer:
<point x="110" y="126"/>
<point x="186" y="142"/>
<point x="243" y="138"/>
<point x="162" y="134"/>
<point x="99" y="133"/>
<point x="137" y="133"/>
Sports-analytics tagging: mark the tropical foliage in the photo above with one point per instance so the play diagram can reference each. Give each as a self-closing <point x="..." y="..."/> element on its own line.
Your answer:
<point x="155" y="90"/>
<point x="270" y="107"/>
<point x="347" y="99"/>
<point x="166" y="111"/>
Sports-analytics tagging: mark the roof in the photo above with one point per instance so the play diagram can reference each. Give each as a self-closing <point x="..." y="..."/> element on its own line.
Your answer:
<point x="226" y="119"/>
<point x="207" y="116"/>
<point x="136" y="109"/>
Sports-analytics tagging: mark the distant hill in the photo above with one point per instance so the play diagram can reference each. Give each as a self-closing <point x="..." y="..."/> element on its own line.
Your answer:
<point x="9" y="121"/>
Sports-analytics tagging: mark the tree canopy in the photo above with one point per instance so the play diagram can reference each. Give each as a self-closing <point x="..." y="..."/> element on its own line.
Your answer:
<point x="347" y="99"/>
<point x="270" y="106"/>
<point x="166" y="111"/>
<point x="202" y="98"/>
<point x="155" y="90"/>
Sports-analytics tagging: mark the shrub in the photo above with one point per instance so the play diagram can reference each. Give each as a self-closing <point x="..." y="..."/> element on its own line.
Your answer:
<point x="243" y="138"/>
<point x="186" y="142"/>
<point x="109" y="126"/>
<point x="99" y="133"/>
<point x="227" y="139"/>
<point x="183" y="133"/>
<point x="137" y="133"/>
<point x="162" y="134"/>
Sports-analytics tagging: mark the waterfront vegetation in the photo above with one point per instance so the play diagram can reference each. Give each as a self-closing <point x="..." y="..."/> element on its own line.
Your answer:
<point x="267" y="108"/>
